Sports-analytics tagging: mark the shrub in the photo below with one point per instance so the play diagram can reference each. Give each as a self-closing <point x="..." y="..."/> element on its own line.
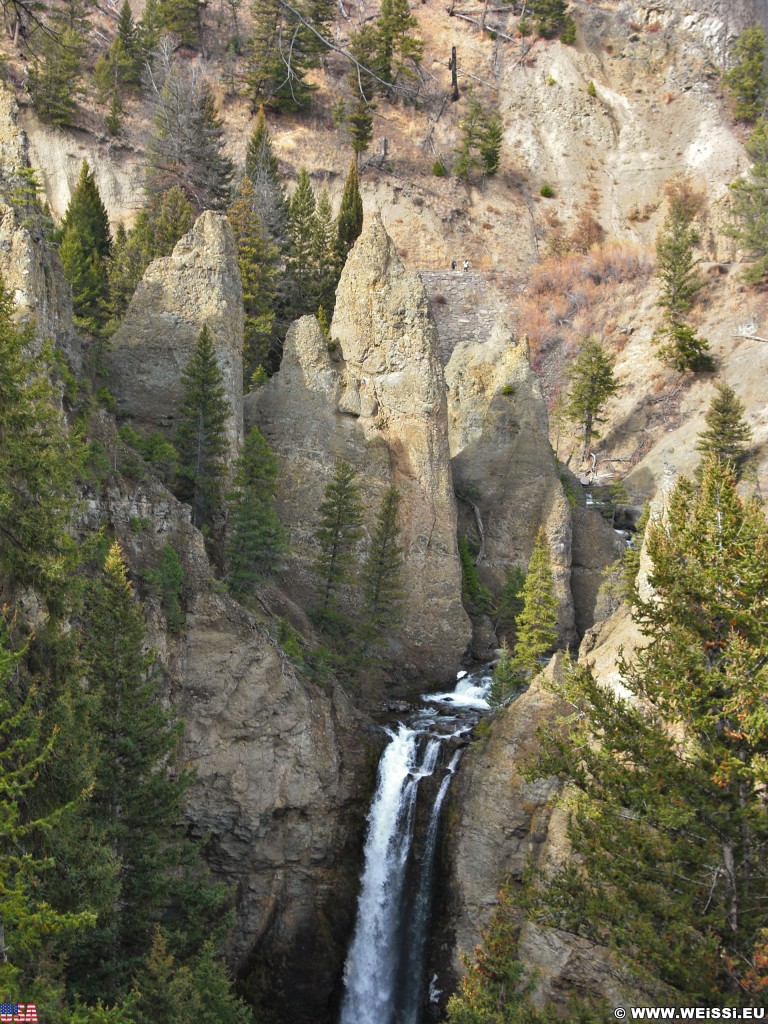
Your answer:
<point x="439" y="169"/>
<point x="591" y="89"/>
<point x="546" y="191"/>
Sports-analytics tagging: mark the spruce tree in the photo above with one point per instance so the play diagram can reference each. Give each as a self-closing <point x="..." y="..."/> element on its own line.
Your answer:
<point x="325" y="263"/>
<point x="54" y="77"/>
<point x="349" y="222"/>
<point x="670" y="829"/>
<point x="683" y="348"/>
<point x="84" y="245"/>
<point x="27" y="919"/>
<point x="727" y="436"/>
<point x="135" y="805"/>
<point x="255" y="537"/>
<point x="257" y="258"/>
<point x="676" y="265"/>
<point x="39" y="464"/>
<point x="749" y="209"/>
<point x="155" y="232"/>
<point x="185" y="147"/>
<point x="280" y="52"/>
<point x="180" y="19"/>
<point x="383" y="569"/>
<point x="549" y="15"/>
<point x="747" y="80"/>
<point x="201" y="435"/>
<point x="537" y="621"/>
<point x="508" y="680"/>
<point x="400" y="51"/>
<point x="338" y="530"/>
<point x="301" y="210"/>
<point x="591" y="382"/>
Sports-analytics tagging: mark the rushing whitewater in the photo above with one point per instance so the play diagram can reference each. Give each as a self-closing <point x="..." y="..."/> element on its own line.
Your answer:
<point x="383" y="976"/>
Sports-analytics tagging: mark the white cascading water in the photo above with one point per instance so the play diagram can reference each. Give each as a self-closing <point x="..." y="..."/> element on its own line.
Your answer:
<point x="370" y="974"/>
<point x="383" y="976"/>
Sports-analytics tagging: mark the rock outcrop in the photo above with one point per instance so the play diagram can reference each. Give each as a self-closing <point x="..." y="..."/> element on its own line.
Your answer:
<point x="197" y="285"/>
<point x="377" y="400"/>
<point x="503" y="467"/>
<point x="29" y="268"/>
<point x="282" y="773"/>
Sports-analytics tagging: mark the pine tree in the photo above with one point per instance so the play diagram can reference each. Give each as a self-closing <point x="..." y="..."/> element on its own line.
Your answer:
<point x="481" y="143"/>
<point x="349" y="222"/>
<point x="549" y="15"/>
<point x="27" y="919"/>
<point x="508" y="680"/>
<point x="183" y="993"/>
<point x="54" y="77"/>
<point x="280" y="54"/>
<point x="84" y="246"/>
<point x="262" y="168"/>
<point x="155" y="232"/>
<point x="684" y="348"/>
<point x="727" y="435"/>
<point x="676" y="264"/>
<point x="670" y="829"/>
<point x="749" y="212"/>
<point x="337" y="533"/>
<point x="591" y="383"/>
<point x="39" y="464"/>
<point x="400" y="52"/>
<point x="537" y="621"/>
<point x="746" y="80"/>
<point x="257" y="258"/>
<point x="256" y="538"/>
<point x="510" y="604"/>
<point x="383" y="569"/>
<point x="325" y="263"/>
<point x="201" y="436"/>
<point x="186" y="144"/>
<point x="180" y="19"/>
<point x="135" y="805"/>
<point x="301" y="209"/>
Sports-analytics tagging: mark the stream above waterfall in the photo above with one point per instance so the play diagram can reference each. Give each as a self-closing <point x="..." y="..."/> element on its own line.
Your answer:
<point x="384" y="973"/>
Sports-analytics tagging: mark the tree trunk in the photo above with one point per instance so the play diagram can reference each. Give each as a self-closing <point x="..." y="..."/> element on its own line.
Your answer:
<point x="454" y="75"/>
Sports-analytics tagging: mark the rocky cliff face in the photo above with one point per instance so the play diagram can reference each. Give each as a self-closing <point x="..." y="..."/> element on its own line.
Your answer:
<point x="377" y="399"/>
<point x="281" y="767"/>
<point x="503" y="466"/>
<point x="29" y="268"/>
<point x="197" y="285"/>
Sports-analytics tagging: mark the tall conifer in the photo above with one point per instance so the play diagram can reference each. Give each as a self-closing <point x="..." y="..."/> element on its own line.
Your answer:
<point x="85" y="244"/>
<point x="383" y="569"/>
<point x="201" y="435"/>
<point x="727" y="435"/>
<point x="349" y="222"/>
<point x="537" y="621"/>
<point x="337" y="533"/>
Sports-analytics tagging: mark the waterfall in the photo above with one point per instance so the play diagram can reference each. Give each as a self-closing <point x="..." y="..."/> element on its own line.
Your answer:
<point x="383" y="971"/>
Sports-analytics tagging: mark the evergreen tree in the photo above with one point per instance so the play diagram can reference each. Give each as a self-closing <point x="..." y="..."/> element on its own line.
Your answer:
<point x="727" y="435"/>
<point x="324" y="257"/>
<point x="480" y="144"/>
<point x="54" y="77"/>
<point x="746" y="80"/>
<point x="180" y="19"/>
<point x="749" y="211"/>
<point x="39" y="463"/>
<point x="510" y="604"/>
<point x="84" y="246"/>
<point x="537" y="621"/>
<point x="257" y="258"/>
<point x="508" y="680"/>
<point x="186" y="144"/>
<point x="400" y="51"/>
<point x="549" y="15"/>
<point x="135" y="805"/>
<point x="155" y="232"/>
<point x="591" y="383"/>
<point x="684" y="348"/>
<point x="256" y="538"/>
<point x="349" y="222"/>
<point x="201" y="436"/>
<point x="179" y="993"/>
<point x="303" y="228"/>
<point x="337" y="533"/>
<point x="280" y="54"/>
<point x="383" y="569"/>
<point x="670" y="829"/>
<point x="26" y="918"/>
<point x="676" y="264"/>
<point x="366" y="78"/>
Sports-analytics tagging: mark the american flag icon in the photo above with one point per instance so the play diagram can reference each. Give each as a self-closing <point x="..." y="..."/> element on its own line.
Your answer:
<point x="15" y="1013"/>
